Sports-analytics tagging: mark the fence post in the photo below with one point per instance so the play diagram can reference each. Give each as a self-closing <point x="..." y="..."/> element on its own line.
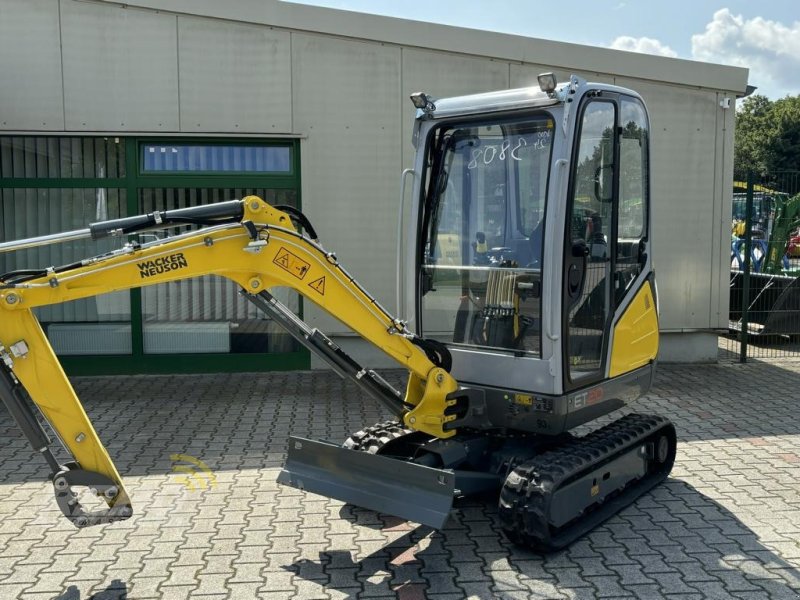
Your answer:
<point x="748" y="248"/>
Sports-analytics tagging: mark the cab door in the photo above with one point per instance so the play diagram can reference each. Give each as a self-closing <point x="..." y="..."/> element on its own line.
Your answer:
<point x="607" y="267"/>
<point x="590" y="231"/>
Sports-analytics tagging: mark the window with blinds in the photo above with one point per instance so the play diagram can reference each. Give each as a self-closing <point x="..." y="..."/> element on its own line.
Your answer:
<point x="50" y="184"/>
<point x="215" y="158"/>
<point x="38" y="196"/>
<point x="34" y="157"/>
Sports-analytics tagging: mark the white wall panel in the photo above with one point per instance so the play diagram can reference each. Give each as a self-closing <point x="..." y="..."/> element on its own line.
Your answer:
<point x="684" y="192"/>
<point x="445" y="38"/>
<point x="120" y="68"/>
<point x="234" y="78"/>
<point x="30" y="65"/>
<point x="347" y="102"/>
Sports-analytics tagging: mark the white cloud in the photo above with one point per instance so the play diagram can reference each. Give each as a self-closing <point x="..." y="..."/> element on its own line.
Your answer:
<point x="643" y="45"/>
<point x="770" y="49"/>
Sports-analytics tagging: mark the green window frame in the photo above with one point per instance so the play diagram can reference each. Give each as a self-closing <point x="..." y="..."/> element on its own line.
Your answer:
<point x="132" y="177"/>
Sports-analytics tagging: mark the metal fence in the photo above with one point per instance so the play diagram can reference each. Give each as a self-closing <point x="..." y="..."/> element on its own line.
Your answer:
<point x="764" y="317"/>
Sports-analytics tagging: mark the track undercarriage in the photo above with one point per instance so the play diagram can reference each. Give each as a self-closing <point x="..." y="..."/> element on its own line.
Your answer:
<point x="551" y="490"/>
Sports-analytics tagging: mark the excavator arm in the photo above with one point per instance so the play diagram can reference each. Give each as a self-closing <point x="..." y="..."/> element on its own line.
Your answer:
<point x="250" y="242"/>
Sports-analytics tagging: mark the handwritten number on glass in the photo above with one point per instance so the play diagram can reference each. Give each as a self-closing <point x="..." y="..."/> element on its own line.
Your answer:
<point x="488" y="154"/>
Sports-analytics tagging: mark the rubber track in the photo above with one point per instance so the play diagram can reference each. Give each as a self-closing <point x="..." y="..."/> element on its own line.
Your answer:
<point x="372" y="439"/>
<point x="526" y="496"/>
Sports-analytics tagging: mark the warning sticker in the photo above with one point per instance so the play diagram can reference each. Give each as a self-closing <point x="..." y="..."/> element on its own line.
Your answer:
<point x="524" y="399"/>
<point x="318" y="285"/>
<point x="291" y="263"/>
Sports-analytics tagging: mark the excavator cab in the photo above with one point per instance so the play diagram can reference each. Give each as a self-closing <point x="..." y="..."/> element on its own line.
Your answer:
<point x="532" y="248"/>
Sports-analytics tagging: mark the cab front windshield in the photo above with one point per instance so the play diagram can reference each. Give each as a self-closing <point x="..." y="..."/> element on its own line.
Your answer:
<point x="483" y="225"/>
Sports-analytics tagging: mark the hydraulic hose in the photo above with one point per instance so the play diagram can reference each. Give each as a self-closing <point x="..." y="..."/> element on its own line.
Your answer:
<point x="207" y="214"/>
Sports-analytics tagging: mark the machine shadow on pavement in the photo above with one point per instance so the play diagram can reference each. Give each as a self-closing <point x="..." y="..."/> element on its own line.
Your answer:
<point x="673" y="540"/>
<point x="116" y="591"/>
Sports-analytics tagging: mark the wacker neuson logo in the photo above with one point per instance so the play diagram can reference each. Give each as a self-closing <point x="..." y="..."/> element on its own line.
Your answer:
<point x="162" y="264"/>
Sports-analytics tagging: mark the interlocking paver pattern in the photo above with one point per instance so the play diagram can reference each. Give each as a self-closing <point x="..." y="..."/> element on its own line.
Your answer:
<point x="725" y="525"/>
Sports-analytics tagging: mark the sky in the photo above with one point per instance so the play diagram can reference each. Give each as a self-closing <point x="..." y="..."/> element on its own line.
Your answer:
<point x="762" y="36"/>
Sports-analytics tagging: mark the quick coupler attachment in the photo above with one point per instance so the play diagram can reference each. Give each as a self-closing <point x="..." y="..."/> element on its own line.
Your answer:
<point x="71" y="476"/>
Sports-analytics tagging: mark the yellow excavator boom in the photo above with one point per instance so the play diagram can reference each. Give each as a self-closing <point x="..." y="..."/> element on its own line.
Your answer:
<point x="259" y="248"/>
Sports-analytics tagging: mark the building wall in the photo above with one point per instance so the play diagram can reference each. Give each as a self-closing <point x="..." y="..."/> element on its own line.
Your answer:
<point x="340" y="81"/>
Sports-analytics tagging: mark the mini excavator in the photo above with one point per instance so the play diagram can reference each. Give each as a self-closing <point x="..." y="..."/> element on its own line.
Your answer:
<point x="525" y="274"/>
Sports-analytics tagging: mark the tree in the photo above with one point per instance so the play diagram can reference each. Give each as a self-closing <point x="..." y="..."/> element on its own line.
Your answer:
<point x="767" y="136"/>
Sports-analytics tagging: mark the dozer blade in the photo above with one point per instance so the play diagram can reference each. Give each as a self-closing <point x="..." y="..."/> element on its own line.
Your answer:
<point x="388" y="485"/>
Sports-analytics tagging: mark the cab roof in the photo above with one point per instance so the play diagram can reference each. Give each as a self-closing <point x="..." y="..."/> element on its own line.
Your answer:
<point x="490" y="102"/>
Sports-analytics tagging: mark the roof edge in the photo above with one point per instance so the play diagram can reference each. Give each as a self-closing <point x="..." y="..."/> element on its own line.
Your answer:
<point x="488" y="44"/>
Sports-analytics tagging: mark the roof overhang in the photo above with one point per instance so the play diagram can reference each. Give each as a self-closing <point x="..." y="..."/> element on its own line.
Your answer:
<point x="556" y="55"/>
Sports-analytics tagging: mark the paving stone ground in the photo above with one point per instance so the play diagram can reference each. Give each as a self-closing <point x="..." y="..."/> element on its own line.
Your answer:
<point x="725" y="525"/>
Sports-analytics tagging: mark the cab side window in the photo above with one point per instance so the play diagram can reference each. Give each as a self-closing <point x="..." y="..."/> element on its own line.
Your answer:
<point x="633" y="190"/>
